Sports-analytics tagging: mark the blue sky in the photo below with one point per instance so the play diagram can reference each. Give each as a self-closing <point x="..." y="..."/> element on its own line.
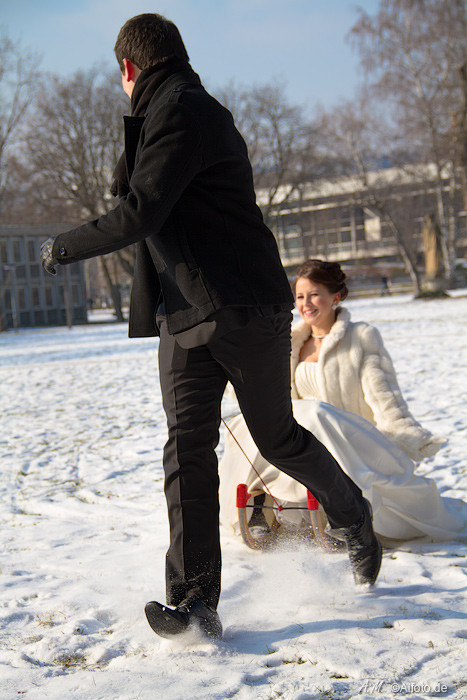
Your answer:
<point x="301" y="42"/>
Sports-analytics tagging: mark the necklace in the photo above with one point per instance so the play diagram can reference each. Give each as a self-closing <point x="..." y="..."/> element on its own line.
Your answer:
<point x="319" y="337"/>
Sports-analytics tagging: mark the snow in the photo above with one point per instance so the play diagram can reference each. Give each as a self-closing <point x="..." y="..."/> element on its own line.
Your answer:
<point x="84" y="533"/>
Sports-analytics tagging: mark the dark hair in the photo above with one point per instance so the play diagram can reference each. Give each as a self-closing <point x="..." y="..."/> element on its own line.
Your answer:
<point x="321" y="272"/>
<point x="147" y="40"/>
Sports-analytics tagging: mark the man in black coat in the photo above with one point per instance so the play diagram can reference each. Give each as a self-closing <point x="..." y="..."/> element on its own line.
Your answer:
<point x="209" y="281"/>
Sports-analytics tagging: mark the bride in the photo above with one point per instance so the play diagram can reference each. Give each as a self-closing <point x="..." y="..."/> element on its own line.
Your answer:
<point x="345" y="391"/>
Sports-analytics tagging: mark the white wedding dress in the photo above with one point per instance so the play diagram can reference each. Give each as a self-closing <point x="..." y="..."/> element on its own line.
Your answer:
<point x="405" y="505"/>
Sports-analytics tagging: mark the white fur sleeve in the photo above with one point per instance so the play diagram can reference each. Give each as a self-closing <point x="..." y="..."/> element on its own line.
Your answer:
<point x="382" y="393"/>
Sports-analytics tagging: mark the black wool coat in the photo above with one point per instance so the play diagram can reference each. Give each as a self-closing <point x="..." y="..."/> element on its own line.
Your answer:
<point x="201" y="241"/>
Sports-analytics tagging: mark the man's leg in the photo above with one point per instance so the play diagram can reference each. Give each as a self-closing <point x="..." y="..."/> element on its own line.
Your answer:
<point x="192" y="387"/>
<point x="256" y="359"/>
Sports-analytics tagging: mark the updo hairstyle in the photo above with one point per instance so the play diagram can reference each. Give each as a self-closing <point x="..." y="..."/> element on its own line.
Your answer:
<point x="330" y="274"/>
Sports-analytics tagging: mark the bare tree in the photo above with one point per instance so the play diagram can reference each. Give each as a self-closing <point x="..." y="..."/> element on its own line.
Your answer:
<point x="74" y="140"/>
<point x="356" y="135"/>
<point x="279" y="139"/>
<point x="416" y="53"/>
<point x="461" y="124"/>
<point x="18" y="78"/>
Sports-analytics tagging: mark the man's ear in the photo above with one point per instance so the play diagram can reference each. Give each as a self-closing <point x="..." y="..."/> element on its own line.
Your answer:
<point x="128" y="70"/>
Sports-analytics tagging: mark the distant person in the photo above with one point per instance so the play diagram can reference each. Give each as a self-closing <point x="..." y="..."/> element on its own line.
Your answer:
<point x="384" y="289"/>
<point x="208" y="279"/>
<point x="346" y="393"/>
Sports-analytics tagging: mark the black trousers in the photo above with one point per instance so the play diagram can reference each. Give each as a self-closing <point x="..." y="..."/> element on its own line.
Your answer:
<point x="256" y="360"/>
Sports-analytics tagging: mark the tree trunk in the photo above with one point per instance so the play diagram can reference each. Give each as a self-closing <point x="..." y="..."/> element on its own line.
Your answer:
<point x="448" y="256"/>
<point x="114" y="291"/>
<point x="404" y="253"/>
<point x="463" y="134"/>
<point x="3" y="291"/>
<point x="127" y="263"/>
<point x="66" y="297"/>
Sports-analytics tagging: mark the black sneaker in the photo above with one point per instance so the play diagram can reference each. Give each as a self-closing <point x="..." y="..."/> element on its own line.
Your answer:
<point x="168" y="622"/>
<point x="364" y="548"/>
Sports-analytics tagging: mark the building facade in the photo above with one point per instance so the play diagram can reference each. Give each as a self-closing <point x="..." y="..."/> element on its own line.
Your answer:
<point x="336" y="221"/>
<point x="28" y="295"/>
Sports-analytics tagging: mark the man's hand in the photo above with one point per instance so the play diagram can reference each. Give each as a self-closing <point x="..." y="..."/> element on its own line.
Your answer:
<point x="47" y="259"/>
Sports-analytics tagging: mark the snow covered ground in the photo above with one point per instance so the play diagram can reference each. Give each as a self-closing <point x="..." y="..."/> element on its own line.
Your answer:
<point x="84" y="532"/>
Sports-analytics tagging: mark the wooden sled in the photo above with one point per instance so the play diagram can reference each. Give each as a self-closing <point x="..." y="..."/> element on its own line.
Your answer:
<point x="269" y="507"/>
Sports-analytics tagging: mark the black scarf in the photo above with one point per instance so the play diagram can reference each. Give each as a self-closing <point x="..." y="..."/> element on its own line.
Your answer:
<point x="146" y="85"/>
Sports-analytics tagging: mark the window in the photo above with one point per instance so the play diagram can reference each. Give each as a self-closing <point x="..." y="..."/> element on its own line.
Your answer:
<point x="7" y="300"/>
<point x="22" y="298"/>
<point x="32" y="255"/>
<point x="36" y="296"/>
<point x="345" y="220"/>
<point x="3" y="252"/>
<point x="293" y="245"/>
<point x="48" y="296"/>
<point x="39" y="318"/>
<point x="17" y="250"/>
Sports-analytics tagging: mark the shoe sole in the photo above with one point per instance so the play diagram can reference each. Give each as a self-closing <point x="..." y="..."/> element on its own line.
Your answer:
<point x="162" y="621"/>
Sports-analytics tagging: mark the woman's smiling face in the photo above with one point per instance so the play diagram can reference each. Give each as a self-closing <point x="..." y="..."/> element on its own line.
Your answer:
<point x="315" y="302"/>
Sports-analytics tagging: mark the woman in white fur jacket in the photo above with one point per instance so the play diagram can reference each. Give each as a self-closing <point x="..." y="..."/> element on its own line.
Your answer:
<point x="345" y="391"/>
<point x="354" y="371"/>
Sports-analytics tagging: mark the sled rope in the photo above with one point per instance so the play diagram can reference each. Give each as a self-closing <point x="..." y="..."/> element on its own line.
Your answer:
<point x="279" y="507"/>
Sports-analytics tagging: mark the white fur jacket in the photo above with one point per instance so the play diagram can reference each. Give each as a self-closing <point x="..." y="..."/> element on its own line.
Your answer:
<point x="356" y="373"/>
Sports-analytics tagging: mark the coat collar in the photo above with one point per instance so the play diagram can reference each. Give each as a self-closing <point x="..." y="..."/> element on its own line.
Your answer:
<point x="151" y="84"/>
<point x="175" y="80"/>
<point x="151" y="80"/>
